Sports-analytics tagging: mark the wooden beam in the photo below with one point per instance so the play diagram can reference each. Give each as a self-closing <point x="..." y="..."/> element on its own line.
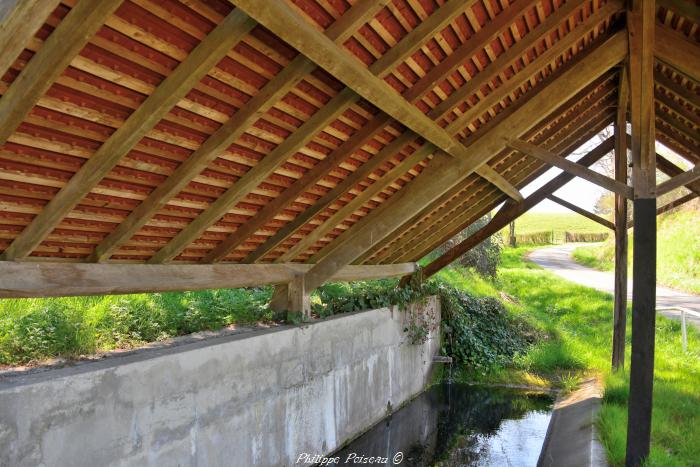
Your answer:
<point x="197" y="64"/>
<point x="686" y="178"/>
<point x="534" y="67"/>
<point x="279" y="18"/>
<point x="38" y="279"/>
<point x="419" y="248"/>
<point x="689" y="97"/>
<point x="678" y="52"/>
<point x="669" y="168"/>
<point x="511" y="211"/>
<point x="64" y="43"/>
<point x="428" y="28"/>
<point x="678" y="108"/>
<point x="512" y="54"/>
<point x="586" y="127"/>
<point x="641" y="27"/>
<point x="620" y="215"/>
<point x="583" y="212"/>
<point x="356" y="203"/>
<point x="19" y="22"/>
<point x="464" y="52"/>
<point x="671" y="205"/>
<point x="230" y="131"/>
<point x="557" y="138"/>
<point x="444" y="173"/>
<point x="571" y="167"/>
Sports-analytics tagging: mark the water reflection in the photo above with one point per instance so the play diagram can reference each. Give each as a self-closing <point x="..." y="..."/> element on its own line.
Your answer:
<point x="458" y="425"/>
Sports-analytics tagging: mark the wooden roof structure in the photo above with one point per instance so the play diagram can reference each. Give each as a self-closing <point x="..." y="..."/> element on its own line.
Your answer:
<point x="325" y="132"/>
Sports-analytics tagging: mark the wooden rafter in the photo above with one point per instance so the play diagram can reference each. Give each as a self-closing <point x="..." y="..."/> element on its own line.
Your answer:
<point x="380" y="68"/>
<point x="467" y="50"/>
<point x="437" y="233"/>
<point x="442" y="199"/>
<point x="557" y="135"/>
<point x="444" y="235"/>
<point x="69" y="37"/>
<point x="671" y="205"/>
<point x="571" y="167"/>
<point x="18" y="26"/>
<point x="441" y="176"/>
<point x="230" y="131"/>
<point x="202" y="58"/>
<point x="677" y="51"/>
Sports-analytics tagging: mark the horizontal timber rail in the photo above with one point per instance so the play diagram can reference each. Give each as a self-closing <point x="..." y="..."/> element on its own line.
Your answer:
<point x="35" y="279"/>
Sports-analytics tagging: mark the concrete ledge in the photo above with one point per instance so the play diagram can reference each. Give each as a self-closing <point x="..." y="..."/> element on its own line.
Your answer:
<point x="256" y="398"/>
<point x="571" y="437"/>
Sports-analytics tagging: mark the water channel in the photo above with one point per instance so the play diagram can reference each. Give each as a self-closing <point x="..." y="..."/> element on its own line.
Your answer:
<point x="457" y="425"/>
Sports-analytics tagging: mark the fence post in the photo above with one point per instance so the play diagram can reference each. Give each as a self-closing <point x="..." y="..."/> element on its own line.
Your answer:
<point x="684" y="332"/>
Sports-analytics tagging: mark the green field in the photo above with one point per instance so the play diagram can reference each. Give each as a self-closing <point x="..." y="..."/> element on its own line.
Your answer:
<point x="678" y="255"/>
<point x="558" y="223"/>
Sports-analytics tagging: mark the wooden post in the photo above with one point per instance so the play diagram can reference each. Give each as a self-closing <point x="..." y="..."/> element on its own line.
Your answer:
<point x="512" y="241"/>
<point x="298" y="298"/>
<point x="640" y="26"/>
<point x="620" y="307"/>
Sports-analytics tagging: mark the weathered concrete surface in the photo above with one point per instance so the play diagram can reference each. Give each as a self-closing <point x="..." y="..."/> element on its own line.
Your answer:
<point x="255" y="399"/>
<point x="571" y="437"/>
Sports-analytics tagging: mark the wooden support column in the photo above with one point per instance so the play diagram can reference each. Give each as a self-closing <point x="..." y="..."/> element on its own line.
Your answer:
<point x="620" y="305"/>
<point x="640" y="26"/>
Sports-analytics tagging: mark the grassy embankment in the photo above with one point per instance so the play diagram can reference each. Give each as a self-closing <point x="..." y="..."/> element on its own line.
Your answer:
<point x="42" y="328"/>
<point x="678" y="252"/>
<point x="578" y="322"/>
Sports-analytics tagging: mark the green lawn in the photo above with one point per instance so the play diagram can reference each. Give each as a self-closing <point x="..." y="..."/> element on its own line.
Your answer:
<point x="579" y="323"/>
<point x="678" y="255"/>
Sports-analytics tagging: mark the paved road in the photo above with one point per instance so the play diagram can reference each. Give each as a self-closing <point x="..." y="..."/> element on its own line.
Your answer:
<point x="558" y="260"/>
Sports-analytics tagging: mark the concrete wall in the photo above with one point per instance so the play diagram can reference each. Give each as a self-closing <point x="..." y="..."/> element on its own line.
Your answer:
<point x="258" y="398"/>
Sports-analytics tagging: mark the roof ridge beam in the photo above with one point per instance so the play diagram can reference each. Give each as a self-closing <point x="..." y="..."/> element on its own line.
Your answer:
<point x="230" y="131"/>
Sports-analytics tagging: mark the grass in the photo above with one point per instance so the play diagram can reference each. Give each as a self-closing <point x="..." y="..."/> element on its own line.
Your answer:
<point x="578" y="321"/>
<point x="678" y="255"/>
<point x="42" y="328"/>
<point x="558" y="223"/>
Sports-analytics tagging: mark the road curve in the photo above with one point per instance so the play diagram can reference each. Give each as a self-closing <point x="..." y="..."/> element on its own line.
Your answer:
<point x="558" y="259"/>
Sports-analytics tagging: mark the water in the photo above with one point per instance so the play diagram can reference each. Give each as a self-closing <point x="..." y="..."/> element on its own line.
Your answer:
<point x="457" y="425"/>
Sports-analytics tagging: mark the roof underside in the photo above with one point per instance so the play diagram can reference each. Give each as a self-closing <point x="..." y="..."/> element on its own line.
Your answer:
<point x="278" y="203"/>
